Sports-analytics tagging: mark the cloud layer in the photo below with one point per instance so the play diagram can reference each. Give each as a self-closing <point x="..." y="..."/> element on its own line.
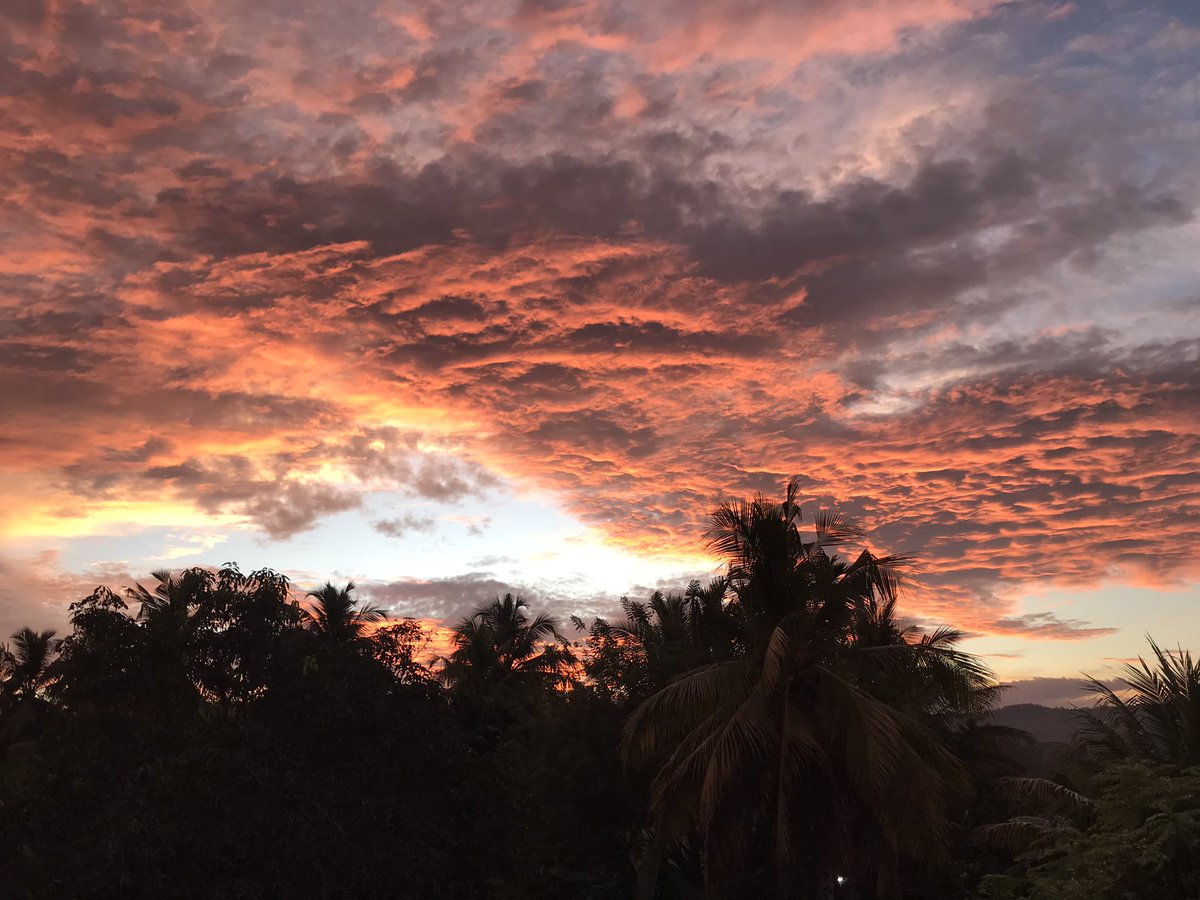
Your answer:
<point x="931" y="255"/>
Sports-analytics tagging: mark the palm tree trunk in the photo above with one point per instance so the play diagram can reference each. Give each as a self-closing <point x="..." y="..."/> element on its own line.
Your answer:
<point x="647" y="868"/>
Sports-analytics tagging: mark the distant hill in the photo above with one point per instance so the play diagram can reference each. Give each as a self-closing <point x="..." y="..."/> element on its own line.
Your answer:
<point x="1045" y="723"/>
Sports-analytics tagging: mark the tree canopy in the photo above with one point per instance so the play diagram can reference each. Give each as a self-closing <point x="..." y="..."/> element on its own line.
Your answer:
<point x="779" y="731"/>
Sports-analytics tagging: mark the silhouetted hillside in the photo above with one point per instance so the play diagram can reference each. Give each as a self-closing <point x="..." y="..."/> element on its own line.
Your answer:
<point x="1045" y="723"/>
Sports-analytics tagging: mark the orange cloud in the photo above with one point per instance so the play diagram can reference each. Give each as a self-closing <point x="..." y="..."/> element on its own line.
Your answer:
<point x="613" y="253"/>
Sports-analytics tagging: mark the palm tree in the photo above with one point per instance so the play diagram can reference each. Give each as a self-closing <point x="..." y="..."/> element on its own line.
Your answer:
<point x="174" y="597"/>
<point x="788" y="744"/>
<point x="659" y="639"/>
<point x="24" y="666"/>
<point x="1158" y="720"/>
<point x="170" y="620"/>
<point x="336" y="617"/>
<point x="504" y="658"/>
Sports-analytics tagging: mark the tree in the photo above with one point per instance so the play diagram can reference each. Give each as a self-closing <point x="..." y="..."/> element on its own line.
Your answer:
<point x="247" y="632"/>
<point x="788" y="744"/>
<point x="399" y="646"/>
<point x="504" y="662"/>
<point x="1158" y="720"/>
<point x="1142" y="839"/>
<point x="336" y="618"/>
<point x="25" y="667"/>
<point x="171" y="620"/>
<point x="659" y="639"/>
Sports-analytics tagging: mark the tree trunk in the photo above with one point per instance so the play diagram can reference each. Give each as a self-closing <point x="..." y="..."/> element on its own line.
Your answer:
<point x="647" y="868"/>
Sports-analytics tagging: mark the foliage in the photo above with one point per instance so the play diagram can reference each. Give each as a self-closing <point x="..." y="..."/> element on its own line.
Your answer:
<point x="661" y="638"/>
<point x="204" y="737"/>
<point x="1157" y="721"/>
<point x="335" y="618"/>
<point x="786" y="739"/>
<point x="505" y="663"/>
<point x="399" y="647"/>
<point x="1144" y="842"/>
<point x="24" y="667"/>
<point x="211" y="734"/>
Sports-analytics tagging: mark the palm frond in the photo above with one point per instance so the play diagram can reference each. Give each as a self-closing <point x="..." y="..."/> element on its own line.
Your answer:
<point x="1015" y="836"/>
<point x="834" y="528"/>
<point x="1044" y="792"/>
<point x="674" y="710"/>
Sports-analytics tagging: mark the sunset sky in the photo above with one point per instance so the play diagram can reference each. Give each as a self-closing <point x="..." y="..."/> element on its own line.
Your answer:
<point x="457" y="298"/>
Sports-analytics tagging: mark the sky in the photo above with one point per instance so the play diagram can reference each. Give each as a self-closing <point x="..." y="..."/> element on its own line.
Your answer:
<point x="465" y="297"/>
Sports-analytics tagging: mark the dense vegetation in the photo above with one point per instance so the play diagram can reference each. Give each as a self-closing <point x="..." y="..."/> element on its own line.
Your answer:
<point x="775" y="733"/>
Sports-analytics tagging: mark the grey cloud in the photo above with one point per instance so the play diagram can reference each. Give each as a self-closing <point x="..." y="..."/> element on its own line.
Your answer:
<point x="477" y="527"/>
<point x="448" y="599"/>
<point x="444" y="479"/>
<point x="486" y="562"/>
<point x="280" y="506"/>
<point x="602" y="431"/>
<point x="151" y="447"/>
<point x="393" y="457"/>
<point x="1047" y="626"/>
<point x="296" y="507"/>
<point x="39" y="591"/>
<point x="400" y="526"/>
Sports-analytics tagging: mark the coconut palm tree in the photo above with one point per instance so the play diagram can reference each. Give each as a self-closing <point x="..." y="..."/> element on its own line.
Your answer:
<point x="660" y="638"/>
<point x="1159" y="718"/>
<point x="24" y="666"/>
<point x="788" y="744"/>
<point x="504" y="660"/>
<point x="170" y="616"/>
<point x="336" y="618"/>
<point x="174" y="597"/>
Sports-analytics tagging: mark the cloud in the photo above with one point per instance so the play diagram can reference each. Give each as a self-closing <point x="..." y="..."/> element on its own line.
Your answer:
<point x="447" y="599"/>
<point x="1046" y="626"/>
<point x="39" y="590"/>
<point x="185" y="545"/>
<point x="401" y="526"/>
<point x="635" y="257"/>
<point x="475" y="525"/>
<point x="297" y="507"/>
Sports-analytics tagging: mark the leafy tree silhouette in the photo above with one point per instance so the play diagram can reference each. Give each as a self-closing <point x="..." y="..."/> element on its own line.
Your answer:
<point x="758" y="735"/>
<point x="24" y="663"/>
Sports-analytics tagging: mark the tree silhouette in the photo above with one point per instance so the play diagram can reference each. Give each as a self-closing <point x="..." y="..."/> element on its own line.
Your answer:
<point x="336" y="618"/>
<point x="25" y="667"/>
<point x="758" y="735"/>
<point x="1158" y="720"/>
<point x="785" y="744"/>
<point x="660" y="638"/>
<point x="170" y="616"/>
<point x="399" y="647"/>
<point x="504" y="661"/>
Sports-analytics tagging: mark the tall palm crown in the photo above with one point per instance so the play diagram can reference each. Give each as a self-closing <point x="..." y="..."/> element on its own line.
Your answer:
<point x="500" y="644"/>
<point x="336" y="615"/>
<point x="173" y="597"/>
<point x="24" y="665"/>
<point x="790" y="741"/>
<point x="659" y="639"/>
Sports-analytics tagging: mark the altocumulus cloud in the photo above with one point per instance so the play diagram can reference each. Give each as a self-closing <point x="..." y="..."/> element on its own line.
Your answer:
<point x="635" y="264"/>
